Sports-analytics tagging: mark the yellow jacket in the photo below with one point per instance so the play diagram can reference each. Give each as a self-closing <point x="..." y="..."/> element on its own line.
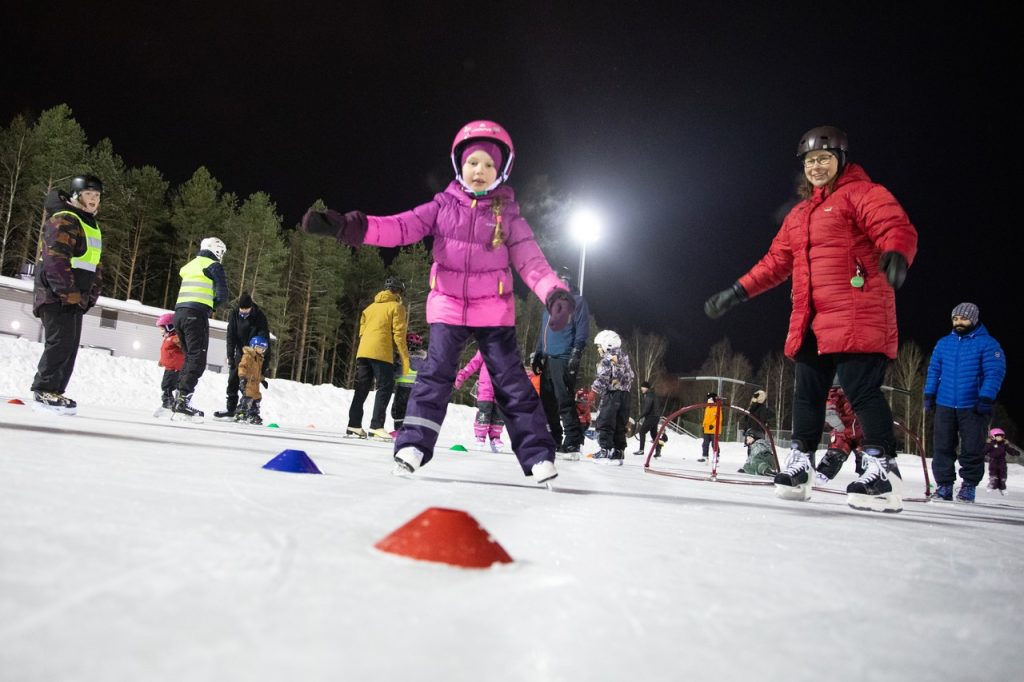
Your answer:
<point x="382" y="329"/>
<point x="709" y="418"/>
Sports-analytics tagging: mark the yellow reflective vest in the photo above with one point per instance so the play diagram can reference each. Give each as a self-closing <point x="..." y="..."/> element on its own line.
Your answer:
<point x="196" y="287"/>
<point x="89" y="260"/>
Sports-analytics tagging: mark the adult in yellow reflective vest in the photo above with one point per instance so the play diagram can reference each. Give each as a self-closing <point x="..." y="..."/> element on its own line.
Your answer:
<point x="382" y="329"/>
<point x="204" y="287"/>
<point x="67" y="284"/>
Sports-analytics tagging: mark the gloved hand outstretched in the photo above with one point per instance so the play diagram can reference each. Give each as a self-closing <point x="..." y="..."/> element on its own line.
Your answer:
<point x="574" y="361"/>
<point x="560" y="305"/>
<point x="242" y="383"/>
<point x="722" y="302"/>
<point x="894" y="265"/>
<point x="984" y="406"/>
<point x="348" y="228"/>
<point x="929" y="402"/>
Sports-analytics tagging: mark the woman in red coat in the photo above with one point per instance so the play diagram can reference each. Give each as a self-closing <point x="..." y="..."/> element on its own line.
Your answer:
<point x="847" y="247"/>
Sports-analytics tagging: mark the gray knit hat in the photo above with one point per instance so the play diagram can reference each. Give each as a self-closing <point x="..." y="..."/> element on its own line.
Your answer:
<point x="967" y="311"/>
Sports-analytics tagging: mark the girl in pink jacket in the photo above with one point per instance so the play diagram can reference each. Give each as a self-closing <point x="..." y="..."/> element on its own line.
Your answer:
<point x="488" y="425"/>
<point x="478" y="237"/>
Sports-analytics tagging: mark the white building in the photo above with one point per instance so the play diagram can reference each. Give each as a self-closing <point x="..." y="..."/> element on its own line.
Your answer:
<point x="122" y="328"/>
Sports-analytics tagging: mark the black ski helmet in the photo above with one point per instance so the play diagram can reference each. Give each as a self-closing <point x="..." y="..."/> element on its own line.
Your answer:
<point x="394" y="284"/>
<point x="827" y="138"/>
<point x="80" y="183"/>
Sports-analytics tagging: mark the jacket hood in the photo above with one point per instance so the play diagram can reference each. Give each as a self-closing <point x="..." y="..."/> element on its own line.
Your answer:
<point x="387" y="296"/>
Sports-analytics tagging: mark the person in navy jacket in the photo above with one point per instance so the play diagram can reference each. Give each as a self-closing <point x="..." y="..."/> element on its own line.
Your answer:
<point x="965" y="373"/>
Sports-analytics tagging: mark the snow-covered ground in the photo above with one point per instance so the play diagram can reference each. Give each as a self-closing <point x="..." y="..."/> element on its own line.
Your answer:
<point x="133" y="548"/>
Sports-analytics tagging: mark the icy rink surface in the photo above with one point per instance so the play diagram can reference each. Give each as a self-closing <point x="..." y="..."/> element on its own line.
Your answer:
<point x="134" y="548"/>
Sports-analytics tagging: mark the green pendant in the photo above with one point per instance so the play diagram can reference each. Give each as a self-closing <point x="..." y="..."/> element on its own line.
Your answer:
<point x="857" y="281"/>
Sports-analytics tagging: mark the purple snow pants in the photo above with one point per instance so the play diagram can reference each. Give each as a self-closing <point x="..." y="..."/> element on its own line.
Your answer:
<point x="516" y="398"/>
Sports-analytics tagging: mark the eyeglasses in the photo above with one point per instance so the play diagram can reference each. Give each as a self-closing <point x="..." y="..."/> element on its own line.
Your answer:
<point x="823" y="160"/>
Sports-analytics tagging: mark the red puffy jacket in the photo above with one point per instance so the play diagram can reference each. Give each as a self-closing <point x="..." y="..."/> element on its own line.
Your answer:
<point x="824" y="242"/>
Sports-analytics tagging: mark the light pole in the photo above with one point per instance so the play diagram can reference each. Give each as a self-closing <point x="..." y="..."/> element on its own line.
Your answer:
<point x="585" y="225"/>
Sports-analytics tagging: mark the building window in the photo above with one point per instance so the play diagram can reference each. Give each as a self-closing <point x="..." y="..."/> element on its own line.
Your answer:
<point x="108" y="318"/>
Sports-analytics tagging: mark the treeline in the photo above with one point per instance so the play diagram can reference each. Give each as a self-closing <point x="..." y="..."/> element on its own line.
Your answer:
<point x="313" y="291"/>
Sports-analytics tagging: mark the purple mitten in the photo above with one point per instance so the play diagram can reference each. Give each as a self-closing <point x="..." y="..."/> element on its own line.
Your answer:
<point x="560" y="305"/>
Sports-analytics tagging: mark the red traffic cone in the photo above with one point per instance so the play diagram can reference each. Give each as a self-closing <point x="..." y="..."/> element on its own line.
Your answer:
<point x="447" y="536"/>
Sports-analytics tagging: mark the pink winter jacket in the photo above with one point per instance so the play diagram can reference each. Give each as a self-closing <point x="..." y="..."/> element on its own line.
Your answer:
<point x="471" y="280"/>
<point x="484" y="387"/>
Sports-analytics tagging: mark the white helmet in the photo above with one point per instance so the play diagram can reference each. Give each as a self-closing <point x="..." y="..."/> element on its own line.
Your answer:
<point x="214" y="246"/>
<point x="607" y="340"/>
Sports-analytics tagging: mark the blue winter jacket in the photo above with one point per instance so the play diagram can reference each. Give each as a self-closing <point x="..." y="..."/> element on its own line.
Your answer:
<point x="965" y="368"/>
<point x="574" y="335"/>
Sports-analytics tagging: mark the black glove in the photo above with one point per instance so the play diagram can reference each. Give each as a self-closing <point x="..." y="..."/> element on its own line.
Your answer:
<point x="574" y="361"/>
<point x="929" y="402"/>
<point x="264" y="383"/>
<point x="242" y="384"/>
<point x="894" y="265"/>
<point x="560" y="305"/>
<point x="537" y="362"/>
<point x="725" y="300"/>
<point x="984" y="406"/>
<point x="349" y="228"/>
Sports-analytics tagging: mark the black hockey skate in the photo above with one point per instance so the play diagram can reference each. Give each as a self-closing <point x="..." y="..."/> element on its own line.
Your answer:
<point x="183" y="410"/>
<point x="880" y="487"/>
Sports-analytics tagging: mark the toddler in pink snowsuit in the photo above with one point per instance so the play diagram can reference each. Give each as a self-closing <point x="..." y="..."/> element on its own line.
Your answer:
<point x="488" y="425"/>
<point x="478" y="236"/>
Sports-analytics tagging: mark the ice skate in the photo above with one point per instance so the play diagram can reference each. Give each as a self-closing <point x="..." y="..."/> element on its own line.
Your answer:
<point x="407" y="461"/>
<point x="226" y="415"/>
<point x="58" y="403"/>
<point x="481" y="444"/>
<point x="569" y="454"/>
<point x="183" y="410"/>
<point x="379" y="434"/>
<point x="496" y="445"/>
<point x="543" y="472"/>
<point x="966" y="493"/>
<point x="880" y="487"/>
<point x="794" y="482"/>
<point x="831" y="463"/>
<point x="354" y="432"/>
<point x="943" y="493"/>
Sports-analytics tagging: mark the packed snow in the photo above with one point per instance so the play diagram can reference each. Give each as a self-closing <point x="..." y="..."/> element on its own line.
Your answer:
<point x="137" y="548"/>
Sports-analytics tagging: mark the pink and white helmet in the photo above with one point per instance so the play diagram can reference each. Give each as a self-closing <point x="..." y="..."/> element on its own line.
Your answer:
<point x="165" y="319"/>
<point x="997" y="432"/>
<point x="483" y="130"/>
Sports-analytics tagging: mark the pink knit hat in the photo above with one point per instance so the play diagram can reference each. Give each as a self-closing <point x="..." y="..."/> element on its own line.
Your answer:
<point x="493" y="150"/>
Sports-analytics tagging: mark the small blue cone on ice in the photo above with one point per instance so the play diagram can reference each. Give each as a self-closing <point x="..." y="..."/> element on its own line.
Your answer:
<point x="294" y="462"/>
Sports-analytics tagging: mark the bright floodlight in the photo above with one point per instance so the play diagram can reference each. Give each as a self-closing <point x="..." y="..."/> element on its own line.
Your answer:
<point x="585" y="225"/>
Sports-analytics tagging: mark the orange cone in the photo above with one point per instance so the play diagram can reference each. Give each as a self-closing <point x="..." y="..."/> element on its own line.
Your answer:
<point x="15" y="401"/>
<point x="447" y="536"/>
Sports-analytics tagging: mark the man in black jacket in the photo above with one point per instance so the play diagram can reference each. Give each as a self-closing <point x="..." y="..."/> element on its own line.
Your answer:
<point x="246" y="321"/>
<point x="647" y="422"/>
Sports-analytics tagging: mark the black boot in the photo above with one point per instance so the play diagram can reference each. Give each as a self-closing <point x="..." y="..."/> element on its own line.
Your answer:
<point x="232" y="406"/>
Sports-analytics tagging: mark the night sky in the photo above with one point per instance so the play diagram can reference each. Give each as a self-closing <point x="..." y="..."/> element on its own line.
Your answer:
<point x="679" y="125"/>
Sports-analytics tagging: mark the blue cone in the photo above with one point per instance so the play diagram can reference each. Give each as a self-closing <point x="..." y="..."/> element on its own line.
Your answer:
<point x="293" y="462"/>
